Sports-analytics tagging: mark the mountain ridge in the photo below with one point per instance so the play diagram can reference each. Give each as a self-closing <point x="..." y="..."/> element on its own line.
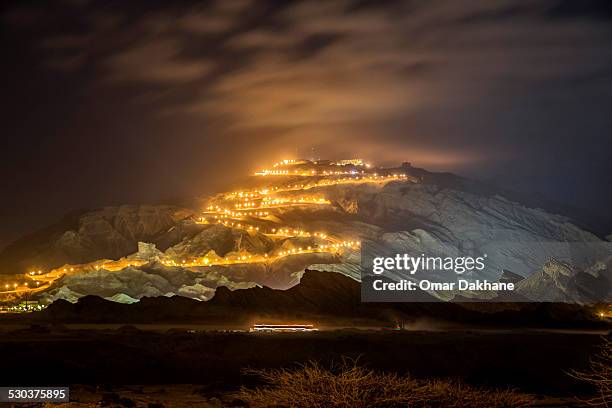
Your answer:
<point x="321" y="297"/>
<point x="309" y="216"/>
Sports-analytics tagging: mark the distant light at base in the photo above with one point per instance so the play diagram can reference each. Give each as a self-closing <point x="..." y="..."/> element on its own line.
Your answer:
<point x="282" y="328"/>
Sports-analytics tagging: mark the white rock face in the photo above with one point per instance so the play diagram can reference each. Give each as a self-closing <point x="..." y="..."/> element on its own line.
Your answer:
<point x="562" y="282"/>
<point x="427" y="219"/>
<point x="147" y="252"/>
<point x="122" y="298"/>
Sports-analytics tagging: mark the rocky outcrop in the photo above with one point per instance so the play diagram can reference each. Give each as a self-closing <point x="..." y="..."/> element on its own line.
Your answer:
<point x="105" y="233"/>
<point x="510" y="277"/>
<point x="560" y="281"/>
<point x="221" y="240"/>
<point x="147" y="252"/>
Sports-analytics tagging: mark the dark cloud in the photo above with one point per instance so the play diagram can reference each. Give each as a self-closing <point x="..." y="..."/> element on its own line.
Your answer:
<point x="156" y="62"/>
<point x="502" y="12"/>
<point x="473" y="86"/>
<point x="311" y="45"/>
<point x="595" y="9"/>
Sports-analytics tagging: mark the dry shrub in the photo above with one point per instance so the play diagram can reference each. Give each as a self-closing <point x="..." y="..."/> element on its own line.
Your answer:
<point x="352" y="386"/>
<point x="599" y="375"/>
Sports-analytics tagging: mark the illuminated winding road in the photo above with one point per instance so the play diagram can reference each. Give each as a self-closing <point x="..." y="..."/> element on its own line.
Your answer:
<point x="250" y="211"/>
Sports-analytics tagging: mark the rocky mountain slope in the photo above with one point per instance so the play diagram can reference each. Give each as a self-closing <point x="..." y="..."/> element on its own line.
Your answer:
<point x="563" y="282"/>
<point x="105" y="233"/>
<point x="312" y="222"/>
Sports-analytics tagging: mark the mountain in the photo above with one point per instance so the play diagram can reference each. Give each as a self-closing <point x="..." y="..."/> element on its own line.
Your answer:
<point x="317" y="215"/>
<point x="321" y="297"/>
<point x="318" y="293"/>
<point x="105" y="233"/>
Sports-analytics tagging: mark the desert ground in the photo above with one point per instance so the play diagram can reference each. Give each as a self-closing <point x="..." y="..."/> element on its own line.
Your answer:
<point x="189" y="366"/>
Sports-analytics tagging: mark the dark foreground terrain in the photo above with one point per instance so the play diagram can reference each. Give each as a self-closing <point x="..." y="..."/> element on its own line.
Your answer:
<point x="534" y="362"/>
<point x="181" y="352"/>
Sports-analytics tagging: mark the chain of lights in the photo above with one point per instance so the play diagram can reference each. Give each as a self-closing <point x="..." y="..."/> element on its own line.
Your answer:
<point x="237" y="207"/>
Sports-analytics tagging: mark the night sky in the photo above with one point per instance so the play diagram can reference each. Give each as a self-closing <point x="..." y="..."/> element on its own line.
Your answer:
<point x="114" y="102"/>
